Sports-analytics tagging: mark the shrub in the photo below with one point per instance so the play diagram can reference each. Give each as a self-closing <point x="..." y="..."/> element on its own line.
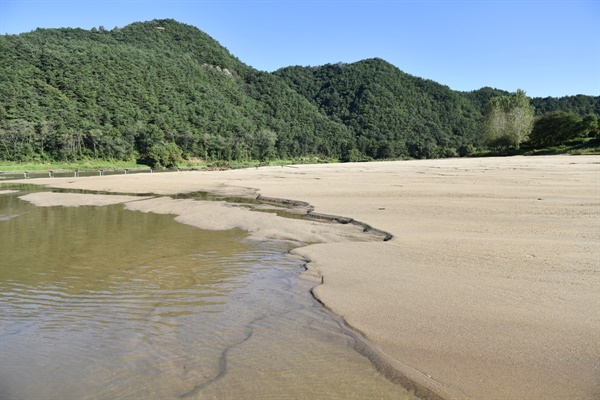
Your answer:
<point x="166" y="155"/>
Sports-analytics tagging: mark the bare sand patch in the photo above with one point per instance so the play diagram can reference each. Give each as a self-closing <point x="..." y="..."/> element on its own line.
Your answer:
<point x="490" y="288"/>
<point x="219" y="215"/>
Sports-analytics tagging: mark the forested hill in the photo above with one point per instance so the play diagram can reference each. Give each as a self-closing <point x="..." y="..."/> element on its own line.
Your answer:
<point x="162" y="87"/>
<point x="72" y="93"/>
<point x="394" y="114"/>
<point x="391" y="113"/>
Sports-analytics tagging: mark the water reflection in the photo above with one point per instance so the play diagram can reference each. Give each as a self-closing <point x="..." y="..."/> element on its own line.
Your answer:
<point x="100" y="302"/>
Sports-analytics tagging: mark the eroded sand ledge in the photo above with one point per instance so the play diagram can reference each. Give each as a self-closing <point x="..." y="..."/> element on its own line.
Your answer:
<point x="490" y="288"/>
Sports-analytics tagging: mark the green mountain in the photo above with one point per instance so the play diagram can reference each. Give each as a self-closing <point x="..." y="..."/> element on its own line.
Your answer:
<point x="391" y="113"/>
<point x="72" y="93"/>
<point x="162" y="86"/>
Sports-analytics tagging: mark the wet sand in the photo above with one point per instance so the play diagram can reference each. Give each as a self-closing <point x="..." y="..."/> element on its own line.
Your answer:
<point x="489" y="288"/>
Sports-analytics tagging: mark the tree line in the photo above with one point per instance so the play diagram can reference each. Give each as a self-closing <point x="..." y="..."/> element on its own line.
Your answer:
<point x="510" y="122"/>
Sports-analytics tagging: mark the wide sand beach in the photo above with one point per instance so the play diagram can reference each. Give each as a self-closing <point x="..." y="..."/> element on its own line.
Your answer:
<point x="488" y="289"/>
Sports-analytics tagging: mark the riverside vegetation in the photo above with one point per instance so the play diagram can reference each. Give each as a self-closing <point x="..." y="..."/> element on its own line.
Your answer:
<point x="161" y="92"/>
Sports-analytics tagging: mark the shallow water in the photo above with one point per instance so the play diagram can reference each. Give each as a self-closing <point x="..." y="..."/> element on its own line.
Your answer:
<point x="104" y="303"/>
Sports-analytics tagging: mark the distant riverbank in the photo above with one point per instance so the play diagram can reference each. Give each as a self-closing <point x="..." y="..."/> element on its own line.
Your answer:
<point x="488" y="288"/>
<point x="29" y="170"/>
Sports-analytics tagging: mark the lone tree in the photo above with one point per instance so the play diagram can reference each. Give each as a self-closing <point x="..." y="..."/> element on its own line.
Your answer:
<point x="508" y="121"/>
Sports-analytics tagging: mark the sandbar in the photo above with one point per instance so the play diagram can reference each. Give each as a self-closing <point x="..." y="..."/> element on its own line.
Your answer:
<point x="488" y="289"/>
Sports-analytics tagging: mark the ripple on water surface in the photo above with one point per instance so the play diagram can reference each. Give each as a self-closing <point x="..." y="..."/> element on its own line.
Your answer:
<point x="100" y="302"/>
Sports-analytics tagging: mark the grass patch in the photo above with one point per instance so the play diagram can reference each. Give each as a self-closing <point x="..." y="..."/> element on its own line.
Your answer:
<point x="193" y="164"/>
<point x="8" y="166"/>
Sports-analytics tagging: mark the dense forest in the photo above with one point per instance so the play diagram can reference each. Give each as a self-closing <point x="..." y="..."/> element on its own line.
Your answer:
<point x="161" y="90"/>
<point x="390" y="114"/>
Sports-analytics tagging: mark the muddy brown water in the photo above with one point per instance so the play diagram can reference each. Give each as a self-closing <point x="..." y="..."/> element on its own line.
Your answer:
<point x="106" y="303"/>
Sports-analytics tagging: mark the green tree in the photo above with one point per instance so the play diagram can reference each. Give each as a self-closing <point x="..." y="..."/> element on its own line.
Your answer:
<point x="17" y="140"/>
<point x="508" y="121"/>
<point x="557" y="127"/>
<point x="164" y="155"/>
<point x="554" y="128"/>
<point x="590" y="125"/>
<point x="265" y="144"/>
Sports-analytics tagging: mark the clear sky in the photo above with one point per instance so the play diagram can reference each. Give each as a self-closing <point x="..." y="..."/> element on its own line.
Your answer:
<point x="547" y="48"/>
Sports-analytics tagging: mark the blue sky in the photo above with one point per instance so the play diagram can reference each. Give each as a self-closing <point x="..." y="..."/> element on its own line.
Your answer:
<point x="547" y="48"/>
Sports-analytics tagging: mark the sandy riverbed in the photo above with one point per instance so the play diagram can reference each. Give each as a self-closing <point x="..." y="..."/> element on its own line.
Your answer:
<point x="490" y="288"/>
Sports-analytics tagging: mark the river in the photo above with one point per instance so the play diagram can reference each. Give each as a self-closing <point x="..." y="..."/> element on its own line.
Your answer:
<point x="107" y="303"/>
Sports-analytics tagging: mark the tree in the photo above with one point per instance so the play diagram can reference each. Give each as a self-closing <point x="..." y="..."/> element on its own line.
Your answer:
<point x="17" y="140"/>
<point x="508" y="121"/>
<point x="265" y="140"/>
<point x="164" y="155"/>
<point x="557" y="127"/>
<point x="554" y="128"/>
<point x="590" y="125"/>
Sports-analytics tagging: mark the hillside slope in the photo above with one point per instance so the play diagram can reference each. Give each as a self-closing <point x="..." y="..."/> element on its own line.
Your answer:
<point x="159" y="86"/>
<point x="72" y="93"/>
<point x="391" y="113"/>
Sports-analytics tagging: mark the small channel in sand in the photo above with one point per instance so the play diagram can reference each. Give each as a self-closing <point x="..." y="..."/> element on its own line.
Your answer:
<point x="99" y="302"/>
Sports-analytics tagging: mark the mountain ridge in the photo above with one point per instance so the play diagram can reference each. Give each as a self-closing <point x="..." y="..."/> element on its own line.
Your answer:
<point x="70" y="93"/>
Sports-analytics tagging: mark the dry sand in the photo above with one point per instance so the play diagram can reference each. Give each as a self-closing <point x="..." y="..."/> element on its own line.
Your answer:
<point x="490" y="288"/>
